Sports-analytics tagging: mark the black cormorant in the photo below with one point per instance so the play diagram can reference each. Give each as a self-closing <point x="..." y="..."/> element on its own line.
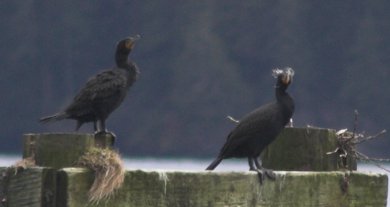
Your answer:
<point x="259" y="128"/>
<point x="104" y="92"/>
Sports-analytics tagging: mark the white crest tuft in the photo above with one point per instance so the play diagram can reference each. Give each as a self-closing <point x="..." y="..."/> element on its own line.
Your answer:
<point x="288" y="71"/>
<point x="276" y="72"/>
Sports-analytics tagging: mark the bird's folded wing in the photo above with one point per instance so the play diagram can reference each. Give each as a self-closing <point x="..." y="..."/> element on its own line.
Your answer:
<point x="102" y="86"/>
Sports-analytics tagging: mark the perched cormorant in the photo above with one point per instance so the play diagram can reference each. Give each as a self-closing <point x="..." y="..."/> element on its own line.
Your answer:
<point x="104" y="92"/>
<point x="255" y="131"/>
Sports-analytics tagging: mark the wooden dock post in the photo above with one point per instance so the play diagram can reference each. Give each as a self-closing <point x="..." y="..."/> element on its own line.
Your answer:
<point x="59" y="184"/>
<point x="32" y="187"/>
<point x="59" y="150"/>
<point x="204" y="189"/>
<point x="304" y="149"/>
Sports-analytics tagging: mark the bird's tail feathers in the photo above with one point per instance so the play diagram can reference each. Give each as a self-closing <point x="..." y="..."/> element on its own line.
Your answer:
<point x="55" y="117"/>
<point x="214" y="164"/>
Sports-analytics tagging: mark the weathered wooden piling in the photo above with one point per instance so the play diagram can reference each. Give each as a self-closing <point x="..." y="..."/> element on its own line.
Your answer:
<point x="203" y="189"/>
<point x="63" y="149"/>
<point x="32" y="187"/>
<point x="36" y="187"/>
<point x="304" y="149"/>
<point x="60" y="184"/>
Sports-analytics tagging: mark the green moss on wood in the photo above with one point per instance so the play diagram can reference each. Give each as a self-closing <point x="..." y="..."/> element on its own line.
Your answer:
<point x="60" y="150"/>
<point x="294" y="149"/>
<point x="57" y="150"/>
<point x="170" y="189"/>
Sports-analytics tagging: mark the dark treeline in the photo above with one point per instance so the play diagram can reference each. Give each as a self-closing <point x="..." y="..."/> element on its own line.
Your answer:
<point x="199" y="61"/>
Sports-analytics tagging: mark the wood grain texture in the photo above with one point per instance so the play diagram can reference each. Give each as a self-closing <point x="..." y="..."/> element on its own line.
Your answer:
<point x="304" y="149"/>
<point x="32" y="187"/>
<point x="59" y="150"/>
<point x="205" y="189"/>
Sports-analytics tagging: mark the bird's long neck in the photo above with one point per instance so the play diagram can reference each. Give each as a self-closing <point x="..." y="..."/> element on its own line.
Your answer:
<point x="280" y="93"/>
<point x="121" y="59"/>
<point x="285" y="100"/>
<point x="132" y="68"/>
<point x="123" y="63"/>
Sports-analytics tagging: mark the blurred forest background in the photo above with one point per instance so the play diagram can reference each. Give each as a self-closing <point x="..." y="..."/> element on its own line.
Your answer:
<point x="200" y="61"/>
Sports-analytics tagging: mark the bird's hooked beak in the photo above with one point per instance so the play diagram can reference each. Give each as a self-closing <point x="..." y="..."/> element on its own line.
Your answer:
<point x="129" y="44"/>
<point x="286" y="78"/>
<point x="289" y="74"/>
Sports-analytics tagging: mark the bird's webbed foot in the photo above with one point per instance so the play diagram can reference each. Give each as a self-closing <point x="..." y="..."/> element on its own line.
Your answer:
<point x="267" y="172"/>
<point x="102" y="135"/>
<point x="254" y="165"/>
<point x="100" y="128"/>
<point x="263" y="173"/>
<point x="104" y="132"/>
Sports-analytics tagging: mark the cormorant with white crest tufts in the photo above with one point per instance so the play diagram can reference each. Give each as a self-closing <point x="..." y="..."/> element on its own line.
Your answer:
<point x="255" y="131"/>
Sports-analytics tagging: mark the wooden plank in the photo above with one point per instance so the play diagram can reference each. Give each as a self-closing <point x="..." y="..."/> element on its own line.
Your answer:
<point x="170" y="189"/>
<point x="32" y="187"/>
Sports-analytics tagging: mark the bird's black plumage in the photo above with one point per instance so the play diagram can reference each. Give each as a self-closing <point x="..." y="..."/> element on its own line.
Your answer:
<point x="260" y="127"/>
<point x="104" y="92"/>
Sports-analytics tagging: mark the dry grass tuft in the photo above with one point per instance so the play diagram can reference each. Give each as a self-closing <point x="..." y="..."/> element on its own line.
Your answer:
<point x="109" y="172"/>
